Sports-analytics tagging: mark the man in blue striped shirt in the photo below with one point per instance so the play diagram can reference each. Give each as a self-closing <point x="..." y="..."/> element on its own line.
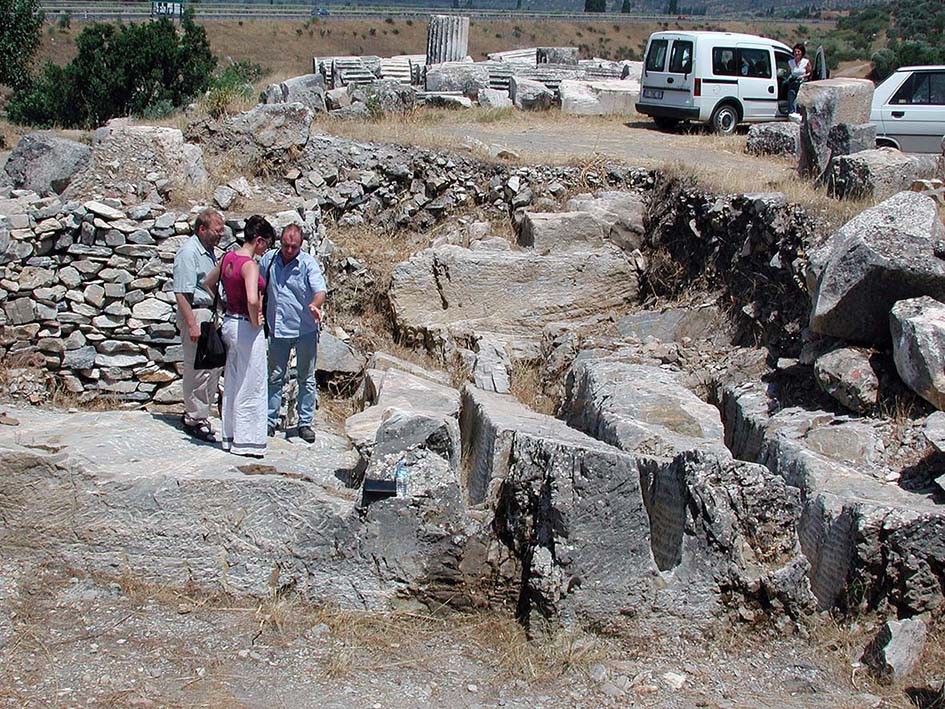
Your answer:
<point x="295" y="293"/>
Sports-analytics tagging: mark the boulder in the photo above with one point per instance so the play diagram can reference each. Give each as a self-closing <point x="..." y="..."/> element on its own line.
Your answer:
<point x="264" y="130"/>
<point x="640" y="409"/>
<point x="846" y="375"/>
<point x="823" y="105"/>
<point x="530" y="95"/>
<point x="536" y="290"/>
<point x="934" y="431"/>
<point x="561" y="232"/>
<point x="556" y="55"/>
<point x="868" y="544"/>
<point x="337" y="98"/>
<point x="883" y="255"/>
<point x="773" y="138"/>
<point x="45" y="163"/>
<point x="396" y="389"/>
<point x="466" y="77"/>
<point x="403" y="431"/>
<point x="308" y="90"/>
<point x="569" y="508"/>
<point x="878" y="173"/>
<point x="918" y="336"/>
<point x="621" y="214"/>
<point x="134" y="158"/>
<point x="615" y="97"/>
<point x="494" y="98"/>
<point x="337" y="357"/>
<point x="896" y="649"/>
<point x="449" y="101"/>
<point x="492" y="365"/>
<point x="386" y="96"/>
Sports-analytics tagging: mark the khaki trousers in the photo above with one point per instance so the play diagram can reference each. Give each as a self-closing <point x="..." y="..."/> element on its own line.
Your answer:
<point x="200" y="385"/>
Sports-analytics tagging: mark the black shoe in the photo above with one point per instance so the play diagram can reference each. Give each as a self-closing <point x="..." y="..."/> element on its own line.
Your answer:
<point x="306" y="434"/>
<point x="271" y="431"/>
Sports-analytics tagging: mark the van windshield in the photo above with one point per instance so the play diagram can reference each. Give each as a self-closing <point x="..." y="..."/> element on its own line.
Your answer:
<point x="656" y="57"/>
<point x="680" y="61"/>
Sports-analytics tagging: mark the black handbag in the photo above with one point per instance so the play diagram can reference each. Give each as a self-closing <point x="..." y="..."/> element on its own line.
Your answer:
<point x="211" y="352"/>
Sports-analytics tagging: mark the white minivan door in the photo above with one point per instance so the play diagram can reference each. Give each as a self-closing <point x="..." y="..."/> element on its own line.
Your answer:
<point x="757" y="83"/>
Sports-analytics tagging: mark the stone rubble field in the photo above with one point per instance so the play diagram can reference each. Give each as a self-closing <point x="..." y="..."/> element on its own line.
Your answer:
<point x="741" y="435"/>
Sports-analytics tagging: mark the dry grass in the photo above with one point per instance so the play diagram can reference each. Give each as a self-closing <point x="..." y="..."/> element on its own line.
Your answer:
<point x="526" y="387"/>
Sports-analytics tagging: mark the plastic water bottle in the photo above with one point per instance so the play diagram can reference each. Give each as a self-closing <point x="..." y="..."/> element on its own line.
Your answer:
<point x="400" y="478"/>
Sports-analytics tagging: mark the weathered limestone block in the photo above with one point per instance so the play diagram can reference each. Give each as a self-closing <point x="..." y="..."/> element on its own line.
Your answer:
<point x="823" y="105"/>
<point x="620" y="213"/>
<point x="881" y="256"/>
<point x="385" y="96"/>
<point x="895" y="650"/>
<point x="640" y="409"/>
<point x="561" y="231"/>
<point x="262" y="130"/>
<point x="773" y="138"/>
<point x="676" y="324"/>
<point x="868" y="543"/>
<point x="45" y="163"/>
<point x="163" y="515"/>
<point x="494" y="98"/>
<point x="556" y="55"/>
<point x="616" y="97"/>
<point x="530" y="95"/>
<point x="309" y="90"/>
<point x="846" y="375"/>
<point x="469" y="78"/>
<point x="396" y="389"/>
<point x="918" y="336"/>
<point x="447" y="101"/>
<point x="536" y="290"/>
<point x="492" y="365"/>
<point x="568" y="506"/>
<point x="878" y="173"/>
<point x="337" y="357"/>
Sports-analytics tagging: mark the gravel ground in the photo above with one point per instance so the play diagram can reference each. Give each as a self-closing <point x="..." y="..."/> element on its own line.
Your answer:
<point x="70" y="640"/>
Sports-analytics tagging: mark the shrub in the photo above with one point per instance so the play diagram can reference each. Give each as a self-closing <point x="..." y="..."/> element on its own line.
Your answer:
<point x="232" y="85"/>
<point x="20" y="24"/>
<point x="119" y="70"/>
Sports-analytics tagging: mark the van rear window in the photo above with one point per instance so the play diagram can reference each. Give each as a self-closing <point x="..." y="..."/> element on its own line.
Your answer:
<point x="680" y="61"/>
<point x="656" y="57"/>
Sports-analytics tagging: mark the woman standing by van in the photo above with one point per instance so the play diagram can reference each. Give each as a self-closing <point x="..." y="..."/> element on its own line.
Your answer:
<point x="800" y="68"/>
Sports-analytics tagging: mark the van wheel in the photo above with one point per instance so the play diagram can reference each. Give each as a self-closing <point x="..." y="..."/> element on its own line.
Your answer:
<point x="664" y="123"/>
<point x="724" y="119"/>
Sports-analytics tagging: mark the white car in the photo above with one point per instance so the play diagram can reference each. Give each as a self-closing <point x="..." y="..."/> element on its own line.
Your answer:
<point x="909" y="110"/>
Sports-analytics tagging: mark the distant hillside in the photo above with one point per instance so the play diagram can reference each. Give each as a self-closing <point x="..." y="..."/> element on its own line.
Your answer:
<point x="695" y="7"/>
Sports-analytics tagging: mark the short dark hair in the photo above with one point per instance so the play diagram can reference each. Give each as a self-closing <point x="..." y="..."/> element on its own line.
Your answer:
<point x="258" y="227"/>
<point x="801" y="47"/>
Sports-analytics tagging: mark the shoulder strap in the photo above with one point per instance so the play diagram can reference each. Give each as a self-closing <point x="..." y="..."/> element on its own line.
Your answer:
<point x="266" y="297"/>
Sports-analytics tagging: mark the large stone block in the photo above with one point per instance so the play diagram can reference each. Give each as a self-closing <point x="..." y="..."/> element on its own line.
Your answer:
<point x="561" y="231"/>
<point x="468" y="78"/>
<point x="878" y="173"/>
<point x="773" y="138"/>
<point x="309" y="90"/>
<point x="823" y="105"/>
<point x="918" y="336"/>
<point x="45" y="163"/>
<point x="556" y="55"/>
<point x="883" y="255"/>
<point x="616" y="97"/>
<point x="530" y="95"/>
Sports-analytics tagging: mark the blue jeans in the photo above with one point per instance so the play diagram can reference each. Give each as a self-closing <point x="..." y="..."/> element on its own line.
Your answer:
<point x="306" y="349"/>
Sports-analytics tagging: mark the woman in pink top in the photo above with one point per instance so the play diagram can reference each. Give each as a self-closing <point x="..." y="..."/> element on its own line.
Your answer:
<point x="245" y="375"/>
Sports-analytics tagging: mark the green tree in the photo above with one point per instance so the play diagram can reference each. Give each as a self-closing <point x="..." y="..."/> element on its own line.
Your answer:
<point x="672" y="8"/>
<point x="627" y="7"/>
<point x="595" y="5"/>
<point x="20" y="24"/>
<point x="119" y="70"/>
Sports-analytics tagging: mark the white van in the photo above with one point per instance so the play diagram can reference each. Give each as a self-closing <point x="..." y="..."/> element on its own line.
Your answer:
<point x="718" y="78"/>
<point x="909" y="110"/>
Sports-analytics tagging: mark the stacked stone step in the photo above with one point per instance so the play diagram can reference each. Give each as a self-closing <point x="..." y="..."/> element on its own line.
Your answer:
<point x="397" y="68"/>
<point x="351" y="70"/>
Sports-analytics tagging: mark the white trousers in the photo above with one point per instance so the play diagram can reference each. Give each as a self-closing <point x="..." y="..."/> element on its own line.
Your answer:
<point x="244" y="387"/>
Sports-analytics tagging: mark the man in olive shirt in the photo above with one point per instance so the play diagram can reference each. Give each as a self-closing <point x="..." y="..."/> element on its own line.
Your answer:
<point x="191" y="264"/>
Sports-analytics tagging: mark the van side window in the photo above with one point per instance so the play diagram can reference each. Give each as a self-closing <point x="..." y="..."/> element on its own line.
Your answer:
<point x="723" y="61"/>
<point x="680" y="61"/>
<point x="656" y="57"/>
<point x="755" y="63"/>
<point x="781" y="59"/>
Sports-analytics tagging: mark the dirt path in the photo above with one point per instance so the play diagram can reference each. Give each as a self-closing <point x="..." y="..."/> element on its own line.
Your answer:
<point x="636" y="142"/>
